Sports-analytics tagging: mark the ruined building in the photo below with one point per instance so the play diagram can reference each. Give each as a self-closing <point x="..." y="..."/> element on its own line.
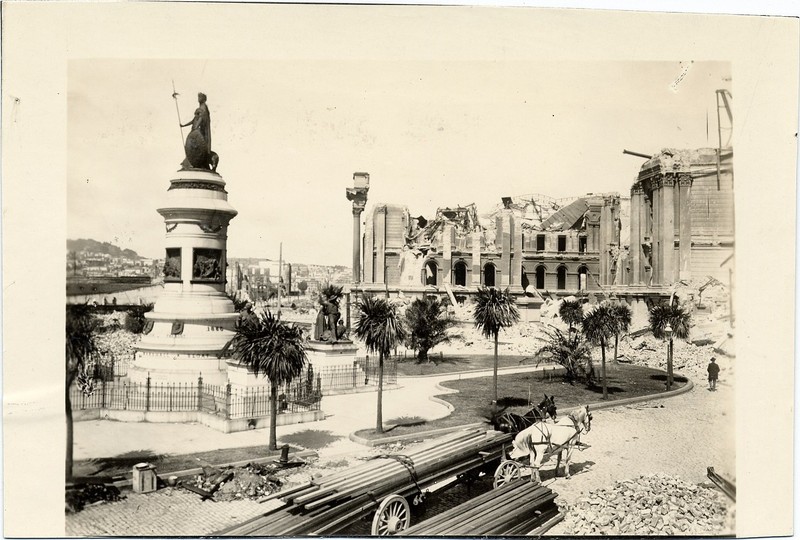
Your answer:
<point x="532" y="244"/>
<point x="682" y="220"/>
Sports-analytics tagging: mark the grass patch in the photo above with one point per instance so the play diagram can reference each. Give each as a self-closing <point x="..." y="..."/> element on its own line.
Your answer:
<point x="473" y="402"/>
<point x="411" y="367"/>
<point x="312" y="439"/>
<point x="166" y="463"/>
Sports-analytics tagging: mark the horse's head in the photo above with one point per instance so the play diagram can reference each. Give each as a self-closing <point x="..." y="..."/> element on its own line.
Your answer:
<point x="548" y="407"/>
<point x="586" y="421"/>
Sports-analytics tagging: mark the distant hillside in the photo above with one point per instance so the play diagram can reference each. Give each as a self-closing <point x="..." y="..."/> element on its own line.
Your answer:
<point x="87" y="244"/>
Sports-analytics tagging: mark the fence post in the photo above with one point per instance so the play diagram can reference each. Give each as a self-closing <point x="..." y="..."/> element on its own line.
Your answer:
<point x="147" y="394"/>
<point x="171" y="388"/>
<point x="125" y="402"/>
<point x="228" y="401"/>
<point x="200" y="392"/>
<point x="103" y="398"/>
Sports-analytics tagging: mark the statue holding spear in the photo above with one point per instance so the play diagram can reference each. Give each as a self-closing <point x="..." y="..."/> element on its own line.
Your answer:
<point x="198" y="143"/>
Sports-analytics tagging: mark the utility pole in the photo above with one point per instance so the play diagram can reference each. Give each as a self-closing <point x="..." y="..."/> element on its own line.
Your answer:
<point x="280" y="276"/>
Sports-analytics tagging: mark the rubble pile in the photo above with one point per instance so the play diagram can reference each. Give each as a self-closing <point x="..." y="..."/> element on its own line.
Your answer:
<point x="656" y="504"/>
<point x="84" y="495"/>
<point x="251" y="481"/>
<point x="687" y="358"/>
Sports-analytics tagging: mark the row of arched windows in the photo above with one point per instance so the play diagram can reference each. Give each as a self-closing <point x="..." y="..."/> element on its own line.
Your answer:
<point x="431" y="269"/>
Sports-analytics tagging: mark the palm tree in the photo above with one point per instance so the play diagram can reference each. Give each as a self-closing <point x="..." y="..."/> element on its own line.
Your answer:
<point x="427" y="322"/>
<point x="571" y="312"/>
<point x="80" y="346"/>
<point x="571" y="352"/>
<point x="378" y="326"/>
<point x="622" y="322"/>
<point x="274" y="348"/>
<point x="598" y="327"/>
<point x="494" y="310"/>
<point x="663" y="315"/>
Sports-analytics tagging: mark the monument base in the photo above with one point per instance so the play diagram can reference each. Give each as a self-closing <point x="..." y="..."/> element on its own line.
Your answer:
<point x="325" y="354"/>
<point x="168" y="367"/>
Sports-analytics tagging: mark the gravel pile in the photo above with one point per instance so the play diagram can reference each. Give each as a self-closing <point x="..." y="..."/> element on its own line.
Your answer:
<point x="252" y="481"/>
<point x="656" y="504"/>
<point x="687" y="359"/>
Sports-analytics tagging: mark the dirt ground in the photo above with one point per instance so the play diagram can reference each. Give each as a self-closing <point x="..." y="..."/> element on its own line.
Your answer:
<point x="680" y="436"/>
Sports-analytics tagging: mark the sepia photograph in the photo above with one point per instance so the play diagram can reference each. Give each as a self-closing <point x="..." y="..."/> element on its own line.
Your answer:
<point x="378" y="280"/>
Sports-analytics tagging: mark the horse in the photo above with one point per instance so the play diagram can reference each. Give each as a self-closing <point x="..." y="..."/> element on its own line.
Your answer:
<point x="542" y="439"/>
<point x="514" y="423"/>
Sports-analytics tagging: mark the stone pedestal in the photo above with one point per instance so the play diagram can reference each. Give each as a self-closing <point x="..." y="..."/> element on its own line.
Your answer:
<point x="334" y="363"/>
<point x="192" y="319"/>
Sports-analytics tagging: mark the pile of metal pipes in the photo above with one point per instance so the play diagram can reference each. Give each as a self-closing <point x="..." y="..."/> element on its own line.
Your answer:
<point x="515" y="509"/>
<point x="333" y="502"/>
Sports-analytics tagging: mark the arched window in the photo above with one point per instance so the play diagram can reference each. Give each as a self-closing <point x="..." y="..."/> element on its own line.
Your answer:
<point x="561" y="278"/>
<point x="460" y="274"/>
<point x="430" y="273"/>
<point x="488" y="275"/>
<point x="540" y="277"/>
<point x="583" y="278"/>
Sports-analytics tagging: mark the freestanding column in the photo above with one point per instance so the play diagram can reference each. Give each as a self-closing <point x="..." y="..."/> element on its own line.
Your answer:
<point x="447" y="253"/>
<point x="668" y="229"/>
<point x="358" y="195"/>
<point x="685" y="184"/>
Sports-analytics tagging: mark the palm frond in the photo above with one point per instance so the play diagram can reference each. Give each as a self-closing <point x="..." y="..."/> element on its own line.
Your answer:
<point x="494" y="310"/>
<point x="676" y="316"/>
<point x="599" y="324"/>
<point x="270" y="347"/>
<point x="378" y="325"/>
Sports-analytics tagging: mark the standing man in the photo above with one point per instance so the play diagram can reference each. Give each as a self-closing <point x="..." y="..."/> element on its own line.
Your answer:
<point x="713" y="373"/>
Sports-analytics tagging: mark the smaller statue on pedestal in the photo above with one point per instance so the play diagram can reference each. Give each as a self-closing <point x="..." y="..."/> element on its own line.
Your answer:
<point x="329" y="326"/>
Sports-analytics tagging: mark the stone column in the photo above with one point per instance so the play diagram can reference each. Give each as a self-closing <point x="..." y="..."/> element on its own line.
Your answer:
<point x="369" y="248"/>
<point x="476" y="258"/>
<point x="516" y="262"/>
<point x="505" y="255"/>
<point x="603" y="246"/>
<point x="685" y="184"/>
<point x="656" y="234"/>
<point x="380" y="244"/>
<point x="447" y="254"/>
<point x="668" y="229"/>
<point x="636" y="234"/>
<point x="358" y="196"/>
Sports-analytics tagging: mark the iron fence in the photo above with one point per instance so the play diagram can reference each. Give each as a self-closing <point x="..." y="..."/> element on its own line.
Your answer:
<point x="362" y="373"/>
<point x="302" y="395"/>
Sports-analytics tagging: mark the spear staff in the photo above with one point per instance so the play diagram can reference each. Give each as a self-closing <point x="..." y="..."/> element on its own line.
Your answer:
<point x="175" y="97"/>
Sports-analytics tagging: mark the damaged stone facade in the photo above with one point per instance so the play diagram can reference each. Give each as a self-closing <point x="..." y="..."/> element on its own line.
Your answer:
<point x="532" y="244"/>
<point x="682" y="220"/>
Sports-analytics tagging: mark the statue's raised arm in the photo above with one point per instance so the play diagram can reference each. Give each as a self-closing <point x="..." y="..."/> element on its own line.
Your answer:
<point x="198" y="143"/>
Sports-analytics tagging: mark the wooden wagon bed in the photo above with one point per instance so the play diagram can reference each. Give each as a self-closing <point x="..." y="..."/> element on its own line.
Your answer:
<point x="516" y="509"/>
<point x="382" y="486"/>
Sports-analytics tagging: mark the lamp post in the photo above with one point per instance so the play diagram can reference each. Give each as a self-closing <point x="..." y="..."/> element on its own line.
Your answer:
<point x="668" y="334"/>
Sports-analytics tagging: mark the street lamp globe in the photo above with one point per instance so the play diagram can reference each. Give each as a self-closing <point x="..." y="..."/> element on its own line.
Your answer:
<point x="668" y="331"/>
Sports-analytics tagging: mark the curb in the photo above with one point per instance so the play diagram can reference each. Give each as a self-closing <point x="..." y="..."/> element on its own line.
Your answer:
<point x="592" y="406"/>
<point x="469" y="371"/>
<point x="411" y="436"/>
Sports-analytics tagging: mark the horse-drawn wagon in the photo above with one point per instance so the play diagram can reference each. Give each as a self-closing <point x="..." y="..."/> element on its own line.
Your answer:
<point x="540" y="441"/>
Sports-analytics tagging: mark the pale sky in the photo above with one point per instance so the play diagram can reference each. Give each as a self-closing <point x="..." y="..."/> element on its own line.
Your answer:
<point x="430" y="133"/>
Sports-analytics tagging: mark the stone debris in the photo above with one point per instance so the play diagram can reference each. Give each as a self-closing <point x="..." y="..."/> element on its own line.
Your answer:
<point x="83" y="495"/>
<point x="251" y="481"/>
<point x="657" y="504"/>
<point x="688" y="359"/>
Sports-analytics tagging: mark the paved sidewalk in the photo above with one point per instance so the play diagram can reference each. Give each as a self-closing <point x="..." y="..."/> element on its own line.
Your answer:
<point x="345" y="414"/>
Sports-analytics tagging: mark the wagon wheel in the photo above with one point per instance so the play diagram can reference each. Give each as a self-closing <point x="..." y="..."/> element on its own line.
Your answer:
<point x="393" y="516"/>
<point x="506" y="472"/>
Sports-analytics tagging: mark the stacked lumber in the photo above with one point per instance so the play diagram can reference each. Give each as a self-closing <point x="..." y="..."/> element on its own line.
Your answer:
<point x="333" y="502"/>
<point x="515" y="509"/>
